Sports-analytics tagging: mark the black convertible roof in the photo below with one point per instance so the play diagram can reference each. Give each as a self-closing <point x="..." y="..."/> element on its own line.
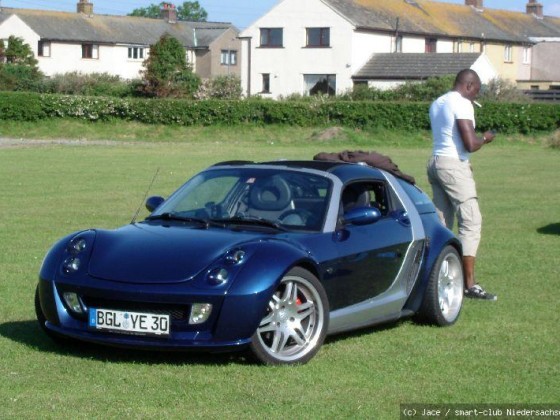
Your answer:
<point x="327" y="162"/>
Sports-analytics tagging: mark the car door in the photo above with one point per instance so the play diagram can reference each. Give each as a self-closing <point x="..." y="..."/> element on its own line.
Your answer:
<point x="369" y="256"/>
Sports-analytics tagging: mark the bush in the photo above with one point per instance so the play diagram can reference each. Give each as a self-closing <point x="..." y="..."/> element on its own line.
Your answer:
<point x="501" y="90"/>
<point x="94" y="84"/>
<point x="412" y="116"/>
<point x="18" y="77"/>
<point x="220" y="87"/>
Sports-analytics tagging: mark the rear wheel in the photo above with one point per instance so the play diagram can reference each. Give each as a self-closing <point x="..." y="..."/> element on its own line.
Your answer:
<point x="296" y="321"/>
<point x="444" y="296"/>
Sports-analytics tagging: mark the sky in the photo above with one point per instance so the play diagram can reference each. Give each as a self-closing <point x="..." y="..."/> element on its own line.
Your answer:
<point x="239" y="12"/>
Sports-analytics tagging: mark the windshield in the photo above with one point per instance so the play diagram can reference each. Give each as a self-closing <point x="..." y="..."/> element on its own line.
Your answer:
<point x="286" y="200"/>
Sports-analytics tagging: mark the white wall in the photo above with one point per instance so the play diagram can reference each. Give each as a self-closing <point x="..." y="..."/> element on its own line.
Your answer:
<point x="365" y="44"/>
<point x="413" y="45"/>
<point x="16" y="27"/>
<point x="444" y="46"/>
<point x="287" y="65"/>
<point x="486" y="71"/>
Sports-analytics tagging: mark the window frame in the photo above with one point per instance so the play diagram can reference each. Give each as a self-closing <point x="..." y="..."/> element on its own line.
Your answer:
<point x="135" y="51"/>
<point x="90" y="51"/>
<point x="228" y="58"/>
<point x="267" y="34"/>
<point x="320" y="77"/>
<point x="398" y="44"/>
<point x="41" y="47"/>
<point x="430" y="45"/>
<point x="265" y="83"/>
<point x="527" y="55"/>
<point x="508" y="53"/>
<point x="324" y="37"/>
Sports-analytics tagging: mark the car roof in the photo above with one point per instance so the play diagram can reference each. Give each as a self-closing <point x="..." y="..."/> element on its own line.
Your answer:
<point x="345" y="171"/>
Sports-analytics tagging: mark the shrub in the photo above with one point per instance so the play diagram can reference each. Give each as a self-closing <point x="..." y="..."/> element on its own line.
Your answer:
<point x="220" y="87"/>
<point x="412" y="116"/>
<point x="167" y="72"/>
<point x="18" y="77"/>
<point x="93" y="84"/>
<point x="501" y="90"/>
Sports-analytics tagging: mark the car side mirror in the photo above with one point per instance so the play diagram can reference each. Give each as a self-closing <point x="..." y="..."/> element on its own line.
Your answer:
<point x="361" y="216"/>
<point x="153" y="203"/>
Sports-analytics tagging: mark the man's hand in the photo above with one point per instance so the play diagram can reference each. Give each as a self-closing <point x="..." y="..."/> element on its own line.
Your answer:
<point x="488" y="136"/>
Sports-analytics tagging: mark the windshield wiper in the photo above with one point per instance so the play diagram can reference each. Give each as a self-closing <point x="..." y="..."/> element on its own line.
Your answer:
<point x="176" y="216"/>
<point x="253" y="220"/>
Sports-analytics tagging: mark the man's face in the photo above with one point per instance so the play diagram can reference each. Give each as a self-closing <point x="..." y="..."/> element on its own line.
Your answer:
<point x="472" y="90"/>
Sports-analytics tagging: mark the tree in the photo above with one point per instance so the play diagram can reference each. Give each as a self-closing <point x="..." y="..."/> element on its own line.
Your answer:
<point x="18" y="52"/>
<point x="192" y="12"/>
<point x="167" y="72"/>
<point x="188" y="11"/>
<point x="20" y="71"/>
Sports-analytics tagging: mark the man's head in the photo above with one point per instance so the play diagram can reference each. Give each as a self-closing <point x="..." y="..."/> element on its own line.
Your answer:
<point x="467" y="83"/>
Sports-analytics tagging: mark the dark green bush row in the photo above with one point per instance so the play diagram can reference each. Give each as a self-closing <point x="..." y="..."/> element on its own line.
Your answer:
<point x="504" y="117"/>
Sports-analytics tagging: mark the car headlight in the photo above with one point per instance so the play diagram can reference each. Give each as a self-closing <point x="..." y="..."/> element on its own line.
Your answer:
<point x="76" y="252"/>
<point x="225" y="268"/>
<point x="218" y="276"/>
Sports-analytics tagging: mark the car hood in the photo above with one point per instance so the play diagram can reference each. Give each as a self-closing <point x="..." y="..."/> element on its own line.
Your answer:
<point x="146" y="253"/>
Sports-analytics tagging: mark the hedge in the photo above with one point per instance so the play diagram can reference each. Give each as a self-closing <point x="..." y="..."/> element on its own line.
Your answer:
<point x="503" y="117"/>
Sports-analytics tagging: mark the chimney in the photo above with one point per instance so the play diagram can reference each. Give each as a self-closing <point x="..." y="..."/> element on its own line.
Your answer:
<point x="168" y="12"/>
<point x="477" y="4"/>
<point x="85" y="7"/>
<point x="534" y="8"/>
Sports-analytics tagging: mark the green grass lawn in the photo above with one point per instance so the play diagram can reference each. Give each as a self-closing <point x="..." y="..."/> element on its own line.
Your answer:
<point x="498" y="352"/>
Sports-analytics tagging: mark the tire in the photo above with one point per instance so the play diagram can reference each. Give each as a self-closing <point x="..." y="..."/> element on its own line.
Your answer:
<point x="296" y="321"/>
<point x="444" y="295"/>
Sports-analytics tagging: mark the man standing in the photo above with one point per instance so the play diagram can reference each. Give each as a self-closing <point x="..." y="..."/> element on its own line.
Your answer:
<point x="450" y="173"/>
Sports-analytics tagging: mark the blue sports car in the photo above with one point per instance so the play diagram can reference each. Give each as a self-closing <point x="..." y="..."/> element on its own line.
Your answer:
<point x="267" y="257"/>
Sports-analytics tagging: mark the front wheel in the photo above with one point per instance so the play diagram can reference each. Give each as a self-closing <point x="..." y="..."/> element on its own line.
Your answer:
<point x="296" y="321"/>
<point x="444" y="295"/>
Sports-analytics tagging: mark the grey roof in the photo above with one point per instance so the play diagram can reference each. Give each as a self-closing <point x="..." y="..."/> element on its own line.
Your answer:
<point x="445" y="20"/>
<point x="414" y="66"/>
<point x="108" y="29"/>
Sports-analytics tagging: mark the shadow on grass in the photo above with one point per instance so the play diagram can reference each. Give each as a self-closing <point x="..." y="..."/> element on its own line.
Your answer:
<point x="29" y="334"/>
<point x="552" y="229"/>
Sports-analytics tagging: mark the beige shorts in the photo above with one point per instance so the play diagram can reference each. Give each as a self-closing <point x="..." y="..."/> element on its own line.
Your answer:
<point x="454" y="193"/>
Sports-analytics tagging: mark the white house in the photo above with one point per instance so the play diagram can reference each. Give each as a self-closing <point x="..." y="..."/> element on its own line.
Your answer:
<point x="310" y="46"/>
<point x="89" y="43"/>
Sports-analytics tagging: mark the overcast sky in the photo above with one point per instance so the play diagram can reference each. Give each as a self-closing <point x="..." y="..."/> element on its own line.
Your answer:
<point x="239" y="12"/>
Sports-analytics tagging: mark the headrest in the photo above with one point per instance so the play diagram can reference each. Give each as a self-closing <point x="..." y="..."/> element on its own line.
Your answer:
<point x="271" y="193"/>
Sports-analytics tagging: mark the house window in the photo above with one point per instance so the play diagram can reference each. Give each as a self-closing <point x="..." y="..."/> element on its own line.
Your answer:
<point x="316" y="84"/>
<point x="526" y="55"/>
<point x="508" y="54"/>
<point x="431" y="45"/>
<point x="459" y="47"/>
<point x="472" y="47"/>
<point x="272" y="37"/>
<point x="318" y="37"/>
<point x="44" y="49"/>
<point x="228" y="58"/>
<point x="398" y="44"/>
<point x="90" y="51"/>
<point x="135" y="53"/>
<point x="265" y="83"/>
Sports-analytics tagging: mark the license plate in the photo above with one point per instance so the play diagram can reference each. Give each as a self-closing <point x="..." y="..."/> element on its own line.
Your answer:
<point x="129" y="322"/>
